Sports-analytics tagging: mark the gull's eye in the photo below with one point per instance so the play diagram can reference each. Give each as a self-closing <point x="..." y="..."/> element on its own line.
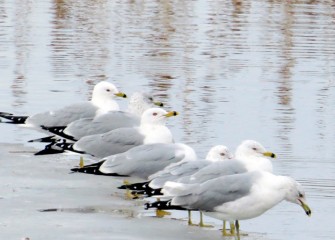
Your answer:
<point x="255" y="149"/>
<point x="222" y="154"/>
<point x="108" y="90"/>
<point x="151" y="99"/>
<point x="301" y="195"/>
<point x="154" y="114"/>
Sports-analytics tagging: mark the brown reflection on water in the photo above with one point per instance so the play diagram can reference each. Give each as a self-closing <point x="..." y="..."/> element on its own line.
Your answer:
<point x="80" y="39"/>
<point x="286" y="112"/>
<point x="22" y="43"/>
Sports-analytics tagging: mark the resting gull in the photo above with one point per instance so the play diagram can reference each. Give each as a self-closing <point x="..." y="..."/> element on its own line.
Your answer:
<point x="151" y="130"/>
<point x="103" y="100"/>
<point x="140" y="161"/>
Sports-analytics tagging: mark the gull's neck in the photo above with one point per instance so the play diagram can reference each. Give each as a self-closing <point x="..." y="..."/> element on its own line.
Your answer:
<point x="156" y="133"/>
<point x="105" y="105"/>
<point x="257" y="163"/>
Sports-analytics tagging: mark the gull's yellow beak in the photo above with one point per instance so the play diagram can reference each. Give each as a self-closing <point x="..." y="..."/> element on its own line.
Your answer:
<point x="120" y="94"/>
<point x="269" y="154"/>
<point x="171" y="114"/>
<point x="159" y="104"/>
<point x="304" y="205"/>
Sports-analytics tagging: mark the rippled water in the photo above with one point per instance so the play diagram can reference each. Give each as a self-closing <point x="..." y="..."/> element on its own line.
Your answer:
<point x="236" y="70"/>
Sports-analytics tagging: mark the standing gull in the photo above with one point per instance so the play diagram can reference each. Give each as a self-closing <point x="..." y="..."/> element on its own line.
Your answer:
<point x="236" y="197"/>
<point x="151" y="130"/>
<point x="103" y="100"/>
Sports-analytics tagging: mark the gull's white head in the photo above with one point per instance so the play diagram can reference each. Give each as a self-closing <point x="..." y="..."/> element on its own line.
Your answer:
<point x="156" y="116"/>
<point x="296" y="194"/>
<point x="254" y="155"/>
<point x="104" y="94"/>
<point x="139" y="102"/>
<point x="251" y="148"/>
<point x="219" y="152"/>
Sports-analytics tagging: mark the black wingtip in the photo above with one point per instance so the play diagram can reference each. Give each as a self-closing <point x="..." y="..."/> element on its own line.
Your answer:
<point x="59" y="147"/>
<point x="95" y="170"/>
<point x="14" y="119"/>
<point x="163" y="205"/>
<point x="50" y="139"/>
<point x="59" y="130"/>
<point x="50" y="149"/>
<point x="90" y="169"/>
<point x="48" y="152"/>
<point x="149" y="192"/>
<point x="153" y="192"/>
<point x="135" y="186"/>
<point x="147" y="206"/>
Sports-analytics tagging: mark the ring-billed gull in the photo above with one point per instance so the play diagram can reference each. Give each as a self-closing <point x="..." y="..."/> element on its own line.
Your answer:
<point x="151" y="130"/>
<point x="102" y="101"/>
<point x="138" y="103"/>
<point x="140" y="161"/>
<point x="236" y="197"/>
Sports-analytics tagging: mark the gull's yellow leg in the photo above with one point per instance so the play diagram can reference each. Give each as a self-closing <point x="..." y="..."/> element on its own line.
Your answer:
<point x="224" y="230"/>
<point x="161" y="213"/>
<point x="190" y="219"/>
<point x="81" y="162"/>
<point x="232" y="228"/>
<point x="128" y="194"/>
<point x="201" y="223"/>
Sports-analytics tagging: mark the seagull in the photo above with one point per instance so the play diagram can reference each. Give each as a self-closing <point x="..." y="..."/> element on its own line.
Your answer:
<point x="103" y="100"/>
<point x="152" y="129"/>
<point x="235" y="197"/>
<point x="140" y="161"/>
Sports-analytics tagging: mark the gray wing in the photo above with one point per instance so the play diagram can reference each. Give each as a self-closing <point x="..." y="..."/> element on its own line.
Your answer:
<point x="176" y="172"/>
<point x="216" y="169"/>
<point x="110" y="143"/>
<point x="101" y="124"/>
<point x="142" y="161"/>
<point x="215" y="192"/>
<point x="63" y="116"/>
<point x="78" y="128"/>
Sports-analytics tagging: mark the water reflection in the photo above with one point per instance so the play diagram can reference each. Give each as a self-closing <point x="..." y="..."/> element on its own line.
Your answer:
<point x="286" y="112"/>
<point x="80" y="39"/>
<point x="23" y="46"/>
